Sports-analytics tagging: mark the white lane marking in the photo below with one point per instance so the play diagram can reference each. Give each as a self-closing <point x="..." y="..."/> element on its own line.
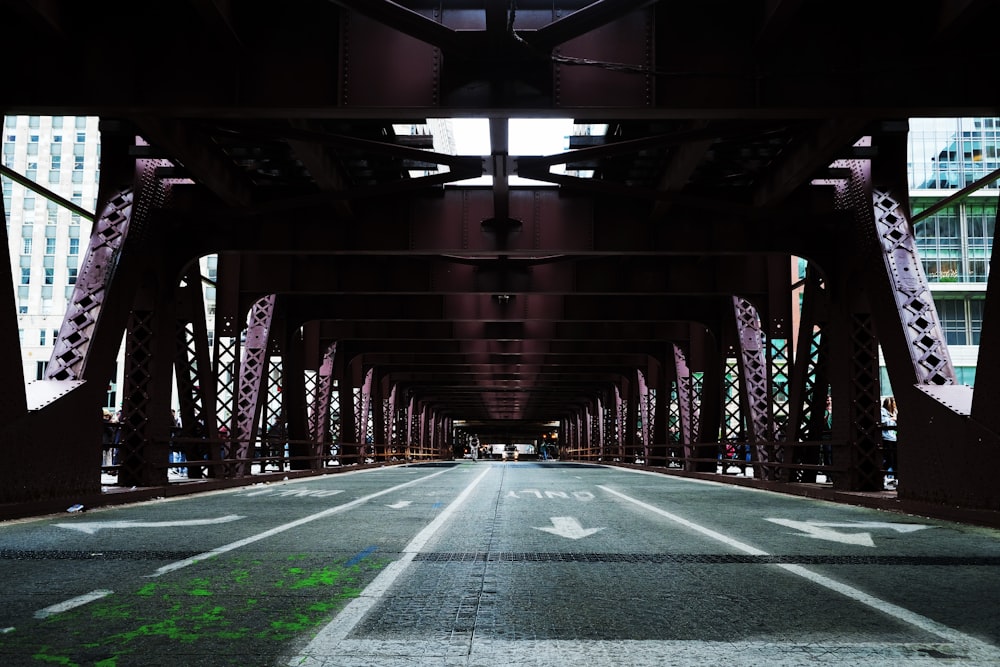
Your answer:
<point x="344" y="622"/>
<point x="66" y="605"/>
<point x="900" y="613"/>
<point x="91" y="527"/>
<point x="567" y="526"/>
<point x="287" y="526"/>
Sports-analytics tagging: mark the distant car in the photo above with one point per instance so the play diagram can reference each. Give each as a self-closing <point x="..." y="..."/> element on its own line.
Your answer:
<point x="510" y="453"/>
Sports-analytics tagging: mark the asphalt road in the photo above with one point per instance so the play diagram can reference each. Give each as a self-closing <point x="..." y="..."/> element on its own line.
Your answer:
<point x="488" y="563"/>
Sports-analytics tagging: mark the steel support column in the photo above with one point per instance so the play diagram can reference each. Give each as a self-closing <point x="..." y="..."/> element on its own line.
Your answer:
<point x="253" y="375"/>
<point x="195" y="378"/>
<point x="754" y="387"/>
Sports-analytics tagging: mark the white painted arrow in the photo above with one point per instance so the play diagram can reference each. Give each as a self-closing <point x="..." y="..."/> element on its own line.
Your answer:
<point x="898" y="527"/>
<point x="567" y="526"/>
<point x="826" y="533"/>
<point x="401" y="504"/>
<point x="91" y="527"/>
<point x="823" y="530"/>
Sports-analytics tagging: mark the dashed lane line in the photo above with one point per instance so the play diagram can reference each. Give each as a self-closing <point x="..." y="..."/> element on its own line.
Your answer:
<point x="329" y="637"/>
<point x="72" y="603"/>
<point x="287" y="526"/>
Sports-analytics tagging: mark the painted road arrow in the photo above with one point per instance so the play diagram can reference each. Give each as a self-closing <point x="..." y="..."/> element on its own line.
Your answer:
<point x="91" y="527"/>
<point x="567" y="526"/>
<point x="823" y="530"/>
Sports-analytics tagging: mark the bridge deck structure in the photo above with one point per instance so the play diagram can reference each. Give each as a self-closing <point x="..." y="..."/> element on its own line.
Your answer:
<point x="633" y="303"/>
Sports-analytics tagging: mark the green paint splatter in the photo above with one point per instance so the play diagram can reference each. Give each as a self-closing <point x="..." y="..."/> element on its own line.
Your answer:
<point x="324" y="577"/>
<point x="43" y="656"/>
<point x="236" y="608"/>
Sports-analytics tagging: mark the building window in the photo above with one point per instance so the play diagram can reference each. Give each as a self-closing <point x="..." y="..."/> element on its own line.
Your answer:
<point x="42" y="336"/>
<point x="50" y="246"/>
<point x="952" y="315"/>
<point x="71" y="275"/>
<point x="27" y="246"/>
<point x="25" y="275"/>
<point x="56" y="162"/>
<point x="961" y="318"/>
<point x="939" y="241"/>
<point x="74" y="246"/>
<point x="40" y="367"/>
<point x="50" y="276"/>
<point x="980" y="219"/>
<point x="955" y="243"/>
<point x="976" y="306"/>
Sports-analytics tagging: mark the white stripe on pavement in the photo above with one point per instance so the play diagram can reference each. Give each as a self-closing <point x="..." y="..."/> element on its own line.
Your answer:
<point x="72" y="602"/>
<point x="335" y="631"/>
<point x="287" y="526"/>
<point x="900" y="613"/>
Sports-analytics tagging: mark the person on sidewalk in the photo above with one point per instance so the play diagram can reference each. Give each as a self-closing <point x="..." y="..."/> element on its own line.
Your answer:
<point x="889" y="463"/>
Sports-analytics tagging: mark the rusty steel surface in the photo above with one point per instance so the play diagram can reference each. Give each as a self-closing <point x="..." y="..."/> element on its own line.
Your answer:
<point x="378" y="310"/>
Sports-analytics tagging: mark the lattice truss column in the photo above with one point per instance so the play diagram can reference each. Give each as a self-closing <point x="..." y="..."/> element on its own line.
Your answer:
<point x="688" y="413"/>
<point x="755" y="392"/>
<point x="194" y="373"/>
<point x="647" y="410"/>
<point x="864" y="458"/>
<point x="135" y="451"/>
<point x="252" y="378"/>
<point x="412" y="427"/>
<point x="597" y="428"/>
<point x="616" y="425"/>
<point x="810" y="385"/>
<point x="83" y="313"/>
<point x="390" y="419"/>
<point x="401" y="424"/>
<point x="912" y="333"/>
<point x="120" y="224"/>
<point x="927" y="344"/>
<point x="125" y="209"/>
<point x="878" y="212"/>
<point x="319" y="414"/>
<point x="363" y="424"/>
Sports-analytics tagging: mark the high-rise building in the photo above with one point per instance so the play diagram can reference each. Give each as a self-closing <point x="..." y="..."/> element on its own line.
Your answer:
<point x="52" y="170"/>
<point x="954" y="164"/>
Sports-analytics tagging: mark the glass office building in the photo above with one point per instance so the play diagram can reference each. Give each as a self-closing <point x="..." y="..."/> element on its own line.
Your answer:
<point x="956" y="159"/>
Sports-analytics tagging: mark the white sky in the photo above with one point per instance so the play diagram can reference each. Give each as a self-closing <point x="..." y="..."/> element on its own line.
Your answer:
<point x="527" y="136"/>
